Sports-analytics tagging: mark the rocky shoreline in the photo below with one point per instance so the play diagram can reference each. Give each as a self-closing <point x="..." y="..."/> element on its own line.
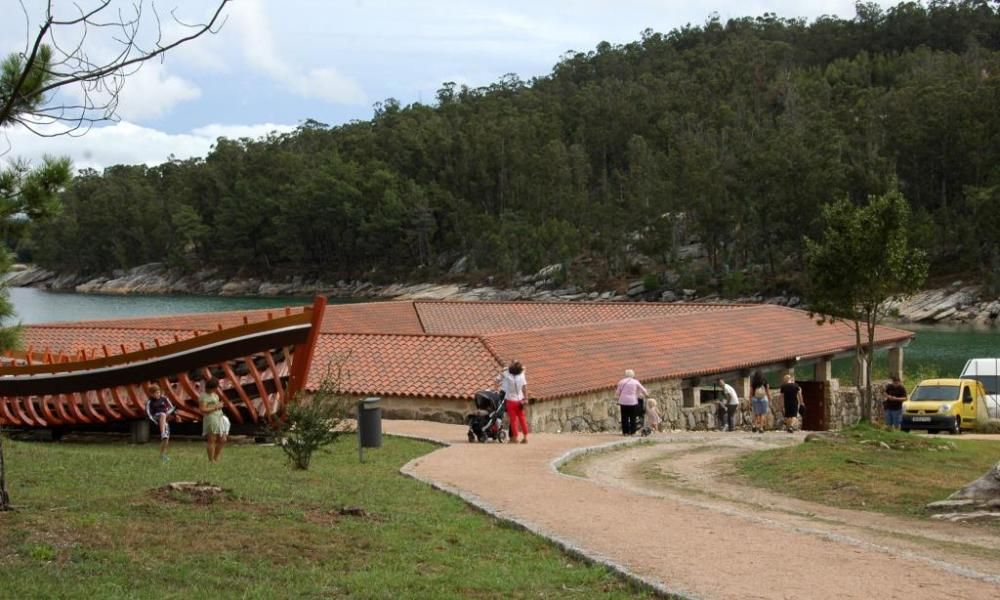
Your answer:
<point x="957" y="304"/>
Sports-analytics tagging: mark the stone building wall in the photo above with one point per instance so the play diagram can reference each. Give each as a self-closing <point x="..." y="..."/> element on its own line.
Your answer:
<point x="598" y="411"/>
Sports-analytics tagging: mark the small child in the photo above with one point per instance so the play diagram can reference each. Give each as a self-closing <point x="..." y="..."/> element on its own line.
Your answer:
<point x="158" y="409"/>
<point x="653" y="419"/>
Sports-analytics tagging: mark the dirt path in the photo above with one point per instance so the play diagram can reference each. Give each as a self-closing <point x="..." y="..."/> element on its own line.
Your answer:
<point x="691" y="533"/>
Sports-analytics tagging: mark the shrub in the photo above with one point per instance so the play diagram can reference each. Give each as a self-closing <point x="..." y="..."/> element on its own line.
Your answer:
<point x="309" y="424"/>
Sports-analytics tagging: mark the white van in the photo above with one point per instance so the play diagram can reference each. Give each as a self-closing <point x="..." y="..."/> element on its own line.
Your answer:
<point x="987" y="371"/>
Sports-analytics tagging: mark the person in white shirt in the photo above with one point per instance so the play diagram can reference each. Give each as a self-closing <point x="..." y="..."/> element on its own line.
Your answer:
<point x="732" y="403"/>
<point x="514" y="386"/>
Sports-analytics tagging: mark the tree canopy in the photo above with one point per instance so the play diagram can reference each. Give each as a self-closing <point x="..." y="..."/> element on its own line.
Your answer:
<point x="734" y="133"/>
<point x="862" y="261"/>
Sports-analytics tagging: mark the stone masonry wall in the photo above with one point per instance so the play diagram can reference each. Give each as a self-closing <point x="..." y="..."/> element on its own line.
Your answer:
<point x="598" y="411"/>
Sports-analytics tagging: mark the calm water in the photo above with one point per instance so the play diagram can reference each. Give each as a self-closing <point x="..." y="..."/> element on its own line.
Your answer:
<point x="936" y="350"/>
<point x="37" y="306"/>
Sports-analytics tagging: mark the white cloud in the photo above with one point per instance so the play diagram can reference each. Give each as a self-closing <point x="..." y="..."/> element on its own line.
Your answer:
<point x="151" y="92"/>
<point x="129" y="144"/>
<point x="326" y="83"/>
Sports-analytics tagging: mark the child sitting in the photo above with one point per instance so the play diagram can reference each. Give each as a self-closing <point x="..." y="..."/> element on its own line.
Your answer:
<point x="653" y="419"/>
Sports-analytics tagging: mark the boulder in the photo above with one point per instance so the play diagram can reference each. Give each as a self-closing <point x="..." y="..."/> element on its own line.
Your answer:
<point x="977" y="501"/>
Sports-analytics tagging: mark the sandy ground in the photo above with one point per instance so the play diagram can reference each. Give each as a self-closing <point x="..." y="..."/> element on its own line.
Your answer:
<point x="667" y="513"/>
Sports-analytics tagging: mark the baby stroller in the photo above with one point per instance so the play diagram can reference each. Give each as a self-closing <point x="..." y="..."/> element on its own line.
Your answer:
<point x="487" y="422"/>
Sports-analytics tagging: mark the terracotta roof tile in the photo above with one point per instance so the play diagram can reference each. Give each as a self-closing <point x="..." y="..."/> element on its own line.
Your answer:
<point x="404" y="365"/>
<point x="372" y="317"/>
<point x="71" y="340"/>
<point x="181" y="322"/>
<point x="478" y="318"/>
<point x="567" y="348"/>
<point x="574" y="360"/>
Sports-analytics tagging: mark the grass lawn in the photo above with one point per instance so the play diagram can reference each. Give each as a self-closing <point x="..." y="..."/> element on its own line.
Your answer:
<point x="852" y="470"/>
<point x="91" y="523"/>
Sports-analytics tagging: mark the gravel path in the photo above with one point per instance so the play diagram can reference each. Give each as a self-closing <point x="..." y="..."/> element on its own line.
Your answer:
<point x="693" y="534"/>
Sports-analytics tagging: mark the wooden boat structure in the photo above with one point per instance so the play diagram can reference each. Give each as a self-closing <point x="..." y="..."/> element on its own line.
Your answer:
<point x="261" y="366"/>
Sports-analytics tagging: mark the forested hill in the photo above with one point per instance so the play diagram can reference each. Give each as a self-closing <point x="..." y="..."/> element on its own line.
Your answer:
<point x="731" y="133"/>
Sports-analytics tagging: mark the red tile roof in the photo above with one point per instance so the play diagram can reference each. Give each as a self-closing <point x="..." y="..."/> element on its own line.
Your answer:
<point x="404" y="365"/>
<point x="72" y="339"/>
<point x="567" y="348"/>
<point x="479" y="318"/>
<point x="372" y="317"/>
<point x="574" y="360"/>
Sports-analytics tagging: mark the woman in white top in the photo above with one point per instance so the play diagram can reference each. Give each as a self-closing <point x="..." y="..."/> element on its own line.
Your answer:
<point x="628" y="392"/>
<point x="515" y="386"/>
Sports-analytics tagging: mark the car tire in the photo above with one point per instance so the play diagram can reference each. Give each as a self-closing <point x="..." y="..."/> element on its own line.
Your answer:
<point x="957" y="428"/>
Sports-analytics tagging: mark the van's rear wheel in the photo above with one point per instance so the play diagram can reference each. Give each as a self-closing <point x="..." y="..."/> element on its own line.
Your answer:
<point x="957" y="427"/>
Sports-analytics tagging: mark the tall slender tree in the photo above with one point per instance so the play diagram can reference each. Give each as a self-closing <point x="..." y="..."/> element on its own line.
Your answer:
<point x="862" y="262"/>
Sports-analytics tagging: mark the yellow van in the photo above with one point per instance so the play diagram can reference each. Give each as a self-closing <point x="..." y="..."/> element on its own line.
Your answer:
<point x="946" y="405"/>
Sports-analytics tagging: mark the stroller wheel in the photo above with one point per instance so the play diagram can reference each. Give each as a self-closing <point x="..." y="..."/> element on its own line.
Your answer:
<point x="482" y="439"/>
<point x="472" y="437"/>
<point x="502" y="436"/>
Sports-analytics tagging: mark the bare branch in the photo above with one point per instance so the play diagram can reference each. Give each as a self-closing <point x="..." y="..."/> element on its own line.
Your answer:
<point x="100" y="81"/>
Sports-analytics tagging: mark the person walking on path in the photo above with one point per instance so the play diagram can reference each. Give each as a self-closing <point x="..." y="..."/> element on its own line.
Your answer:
<point x="732" y="403"/>
<point x="760" y="400"/>
<point x="514" y="386"/>
<point x="158" y="409"/>
<point x="211" y="424"/>
<point x="791" y="395"/>
<point x="628" y="392"/>
<point x="895" y="396"/>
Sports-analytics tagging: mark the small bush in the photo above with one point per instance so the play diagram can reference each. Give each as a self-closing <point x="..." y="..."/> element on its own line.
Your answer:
<point x="311" y="423"/>
<point x="991" y="426"/>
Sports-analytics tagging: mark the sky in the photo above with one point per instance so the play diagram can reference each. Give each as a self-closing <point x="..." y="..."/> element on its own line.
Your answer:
<point x="276" y="63"/>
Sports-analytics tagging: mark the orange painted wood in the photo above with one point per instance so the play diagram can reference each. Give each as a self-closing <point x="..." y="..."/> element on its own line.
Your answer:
<point x="33" y="412"/>
<point x="239" y="390"/>
<point x="61" y="407"/>
<point x="265" y="401"/>
<point x="47" y="411"/>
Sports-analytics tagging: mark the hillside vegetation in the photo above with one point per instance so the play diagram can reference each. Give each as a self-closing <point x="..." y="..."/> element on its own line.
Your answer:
<point x="731" y="133"/>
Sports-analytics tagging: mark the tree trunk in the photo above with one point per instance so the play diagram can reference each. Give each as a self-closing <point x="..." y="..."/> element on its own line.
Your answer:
<point x="859" y="355"/>
<point x="870" y="354"/>
<point x="4" y="497"/>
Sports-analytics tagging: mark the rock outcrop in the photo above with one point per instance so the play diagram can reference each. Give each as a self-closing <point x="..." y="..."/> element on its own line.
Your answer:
<point x="957" y="304"/>
<point x="978" y="501"/>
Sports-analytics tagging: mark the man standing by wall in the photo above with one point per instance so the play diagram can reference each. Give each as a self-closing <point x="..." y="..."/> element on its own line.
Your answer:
<point x="732" y="403"/>
<point x="892" y="406"/>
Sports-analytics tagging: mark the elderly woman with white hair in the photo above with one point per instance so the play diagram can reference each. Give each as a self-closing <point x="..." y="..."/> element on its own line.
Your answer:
<point x="628" y="392"/>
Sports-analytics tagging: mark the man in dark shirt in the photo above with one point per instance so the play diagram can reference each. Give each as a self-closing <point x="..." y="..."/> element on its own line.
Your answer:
<point x="791" y="395"/>
<point x="892" y="405"/>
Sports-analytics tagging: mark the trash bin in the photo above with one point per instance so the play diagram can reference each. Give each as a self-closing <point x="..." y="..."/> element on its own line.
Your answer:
<point x="370" y="423"/>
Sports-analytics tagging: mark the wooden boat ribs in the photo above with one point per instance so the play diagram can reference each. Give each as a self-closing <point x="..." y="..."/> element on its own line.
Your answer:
<point x="260" y="367"/>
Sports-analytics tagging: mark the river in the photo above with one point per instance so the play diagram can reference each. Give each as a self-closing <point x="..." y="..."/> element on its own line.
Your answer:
<point x="937" y="350"/>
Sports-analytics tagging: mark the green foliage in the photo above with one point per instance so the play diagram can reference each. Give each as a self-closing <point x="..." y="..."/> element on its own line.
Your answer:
<point x="733" y="133"/>
<point x="863" y="260"/>
<point x="651" y="281"/>
<point x="20" y="91"/>
<point x="311" y="423"/>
